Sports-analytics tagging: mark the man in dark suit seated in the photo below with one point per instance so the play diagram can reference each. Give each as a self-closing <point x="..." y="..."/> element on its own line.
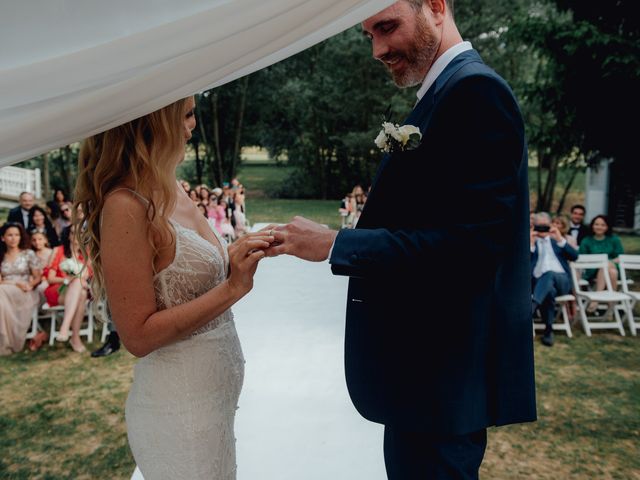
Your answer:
<point x="550" y="257"/>
<point x="577" y="228"/>
<point x="20" y="214"/>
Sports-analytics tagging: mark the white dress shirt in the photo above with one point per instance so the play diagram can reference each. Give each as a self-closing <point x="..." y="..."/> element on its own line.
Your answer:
<point x="440" y="64"/>
<point x="547" y="259"/>
<point x="574" y="230"/>
<point x="25" y="217"/>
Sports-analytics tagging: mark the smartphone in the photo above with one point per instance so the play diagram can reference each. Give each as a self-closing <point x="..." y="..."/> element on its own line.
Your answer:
<point x="541" y="228"/>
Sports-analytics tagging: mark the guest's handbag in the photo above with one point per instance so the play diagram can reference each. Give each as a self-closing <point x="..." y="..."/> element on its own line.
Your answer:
<point x="36" y="342"/>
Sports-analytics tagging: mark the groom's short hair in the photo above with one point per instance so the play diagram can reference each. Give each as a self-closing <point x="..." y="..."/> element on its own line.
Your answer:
<point x="417" y="5"/>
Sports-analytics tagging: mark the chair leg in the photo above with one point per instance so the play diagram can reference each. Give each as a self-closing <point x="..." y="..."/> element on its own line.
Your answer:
<point x="565" y="318"/>
<point x="583" y="316"/>
<point x="616" y="314"/>
<point x="52" y="330"/>
<point x="90" y="322"/>
<point x="630" y="318"/>
<point x="105" y="332"/>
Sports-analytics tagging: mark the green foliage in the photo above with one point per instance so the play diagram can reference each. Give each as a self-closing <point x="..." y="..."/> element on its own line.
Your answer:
<point x="324" y="108"/>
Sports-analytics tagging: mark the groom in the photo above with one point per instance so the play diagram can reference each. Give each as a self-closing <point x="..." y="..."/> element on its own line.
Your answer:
<point x="438" y="334"/>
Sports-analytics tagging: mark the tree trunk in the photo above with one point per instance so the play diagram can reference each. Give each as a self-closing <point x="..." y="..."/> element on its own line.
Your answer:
<point x="574" y="174"/>
<point x="196" y="147"/>
<point x="550" y="185"/>
<point x="208" y="160"/>
<point x="216" y="165"/>
<point x="539" y="175"/>
<point x="242" y="101"/>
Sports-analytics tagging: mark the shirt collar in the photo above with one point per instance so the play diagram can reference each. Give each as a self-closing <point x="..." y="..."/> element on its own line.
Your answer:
<point x="440" y="64"/>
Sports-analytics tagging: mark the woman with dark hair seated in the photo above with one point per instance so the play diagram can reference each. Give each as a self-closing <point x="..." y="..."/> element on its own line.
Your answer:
<point x="40" y="222"/>
<point x="602" y="240"/>
<point x="68" y="286"/>
<point x="19" y="274"/>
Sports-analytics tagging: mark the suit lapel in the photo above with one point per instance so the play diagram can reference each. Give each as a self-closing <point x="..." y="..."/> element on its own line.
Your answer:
<point x="421" y="113"/>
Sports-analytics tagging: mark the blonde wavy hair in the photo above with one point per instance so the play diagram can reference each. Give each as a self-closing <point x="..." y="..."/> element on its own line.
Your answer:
<point x="142" y="153"/>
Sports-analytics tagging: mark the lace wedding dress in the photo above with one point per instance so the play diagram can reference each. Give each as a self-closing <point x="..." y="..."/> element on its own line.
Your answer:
<point x="181" y="407"/>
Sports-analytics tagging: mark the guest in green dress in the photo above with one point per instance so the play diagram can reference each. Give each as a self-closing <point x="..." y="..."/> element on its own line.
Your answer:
<point x="602" y="240"/>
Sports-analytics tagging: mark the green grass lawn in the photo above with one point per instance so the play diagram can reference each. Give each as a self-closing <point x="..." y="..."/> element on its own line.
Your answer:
<point x="62" y="415"/>
<point x="261" y="178"/>
<point x="283" y="210"/>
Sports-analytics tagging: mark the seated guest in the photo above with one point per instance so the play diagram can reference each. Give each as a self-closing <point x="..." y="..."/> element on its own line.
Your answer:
<point x="577" y="229"/>
<point x="74" y="294"/>
<point x="64" y="220"/>
<point x="561" y="222"/>
<point x="60" y="198"/>
<point x="20" y="214"/>
<point x="40" y="245"/>
<point x="20" y="273"/>
<point x="41" y="223"/>
<point x="240" y="224"/>
<point x="550" y="256"/>
<point x="223" y="222"/>
<point x="205" y="211"/>
<point x="53" y="211"/>
<point x="602" y="240"/>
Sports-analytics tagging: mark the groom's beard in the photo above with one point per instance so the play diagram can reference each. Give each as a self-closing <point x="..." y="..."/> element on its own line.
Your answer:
<point x="418" y="56"/>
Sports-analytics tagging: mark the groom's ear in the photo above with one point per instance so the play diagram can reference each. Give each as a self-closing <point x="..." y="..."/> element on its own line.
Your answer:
<point x="438" y="8"/>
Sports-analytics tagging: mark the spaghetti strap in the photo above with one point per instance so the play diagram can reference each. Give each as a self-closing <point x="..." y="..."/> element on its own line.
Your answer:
<point x="140" y="197"/>
<point x="129" y="190"/>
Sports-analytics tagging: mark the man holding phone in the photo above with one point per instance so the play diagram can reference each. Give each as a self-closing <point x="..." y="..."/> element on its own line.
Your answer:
<point x="550" y="257"/>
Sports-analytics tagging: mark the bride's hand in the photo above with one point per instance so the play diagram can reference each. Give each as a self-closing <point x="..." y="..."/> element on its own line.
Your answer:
<point x="244" y="255"/>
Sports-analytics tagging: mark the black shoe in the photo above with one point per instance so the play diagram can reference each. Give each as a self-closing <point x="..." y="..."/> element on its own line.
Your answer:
<point x="112" y="345"/>
<point x="547" y="339"/>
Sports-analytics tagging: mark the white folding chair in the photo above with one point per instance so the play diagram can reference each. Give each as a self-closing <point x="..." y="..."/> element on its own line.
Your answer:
<point x="58" y="312"/>
<point x="562" y="314"/>
<point x="630" y="262"/>
<point x="615" y="302"/>
<point x="35" y="326"/>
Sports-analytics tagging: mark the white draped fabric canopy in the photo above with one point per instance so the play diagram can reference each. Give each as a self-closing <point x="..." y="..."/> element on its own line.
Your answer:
<point x="73" y="68"/>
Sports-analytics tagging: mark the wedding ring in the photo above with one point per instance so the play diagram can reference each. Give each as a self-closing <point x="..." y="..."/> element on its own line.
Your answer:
<point x="271" y="232"/>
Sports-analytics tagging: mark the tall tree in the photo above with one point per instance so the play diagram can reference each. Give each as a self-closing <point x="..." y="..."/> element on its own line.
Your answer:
<point x="221" y="127"/>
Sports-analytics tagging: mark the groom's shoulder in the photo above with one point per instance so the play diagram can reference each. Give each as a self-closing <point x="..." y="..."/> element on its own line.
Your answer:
<point x="478" y="72"/>
<point x="475" y="78"/>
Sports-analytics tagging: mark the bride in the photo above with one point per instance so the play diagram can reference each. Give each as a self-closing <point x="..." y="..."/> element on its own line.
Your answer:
<point x="170" y="281"/>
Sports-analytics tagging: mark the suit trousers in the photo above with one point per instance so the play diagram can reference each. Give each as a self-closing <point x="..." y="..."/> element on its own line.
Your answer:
<point x="422" y="456"/>
<point x="545" y="290"/>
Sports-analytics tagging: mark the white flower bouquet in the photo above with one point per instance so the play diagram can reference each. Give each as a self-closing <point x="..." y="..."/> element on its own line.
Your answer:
<point x="72" y="268"/>
<point x="393" y="137"/>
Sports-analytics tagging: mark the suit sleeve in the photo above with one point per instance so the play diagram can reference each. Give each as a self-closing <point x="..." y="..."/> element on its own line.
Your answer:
<point x="569" y="252"/>
<point x="481" y="140"/>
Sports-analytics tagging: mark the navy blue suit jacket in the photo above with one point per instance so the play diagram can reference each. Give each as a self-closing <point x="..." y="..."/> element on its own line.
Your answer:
<point x="564" y="254"/>
<point x="15" y="215"/>
<point x="438" y="329"/>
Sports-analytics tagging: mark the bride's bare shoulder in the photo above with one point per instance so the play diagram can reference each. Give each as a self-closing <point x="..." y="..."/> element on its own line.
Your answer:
<point x="123" y="204"/>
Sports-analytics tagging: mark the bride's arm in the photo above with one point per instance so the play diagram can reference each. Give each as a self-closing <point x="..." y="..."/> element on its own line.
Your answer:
<point x="127" y="265"/>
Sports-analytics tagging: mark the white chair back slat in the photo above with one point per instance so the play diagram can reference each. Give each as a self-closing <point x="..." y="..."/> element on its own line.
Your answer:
<point x="630" y="262"/>
<point x="616" y="302"/>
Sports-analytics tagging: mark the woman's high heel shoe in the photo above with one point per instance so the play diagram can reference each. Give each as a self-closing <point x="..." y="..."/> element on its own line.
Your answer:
<point x="62" y="338"/>
<point x="78" y="348"/>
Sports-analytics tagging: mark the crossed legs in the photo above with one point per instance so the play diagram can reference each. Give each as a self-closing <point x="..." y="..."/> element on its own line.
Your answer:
<point x="74" y="300"/>
<point x="545" y="290"/>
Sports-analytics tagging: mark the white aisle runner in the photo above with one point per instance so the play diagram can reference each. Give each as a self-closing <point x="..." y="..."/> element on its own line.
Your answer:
<point x="296" y="421"/>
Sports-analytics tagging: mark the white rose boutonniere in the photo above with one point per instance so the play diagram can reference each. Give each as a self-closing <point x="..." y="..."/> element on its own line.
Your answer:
<point x="393" y="137"/>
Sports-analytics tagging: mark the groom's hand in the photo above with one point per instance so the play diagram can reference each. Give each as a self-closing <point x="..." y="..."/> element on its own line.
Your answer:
<point x="304" y="239"/>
